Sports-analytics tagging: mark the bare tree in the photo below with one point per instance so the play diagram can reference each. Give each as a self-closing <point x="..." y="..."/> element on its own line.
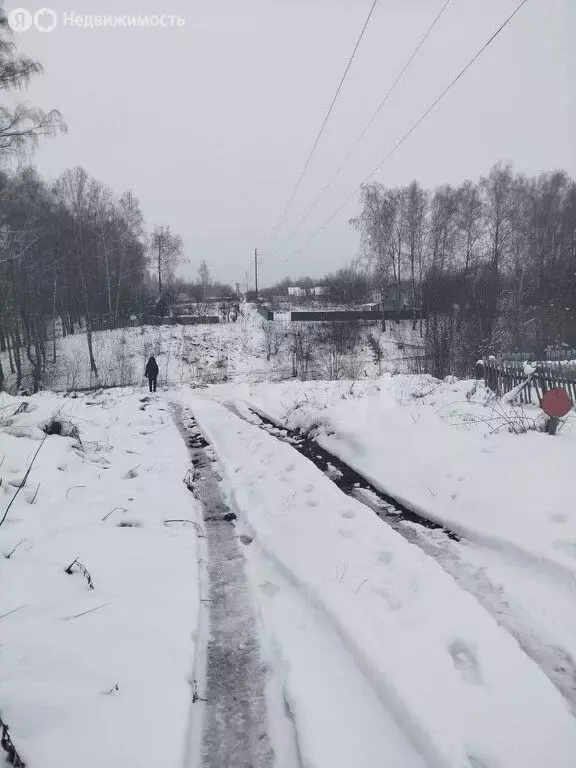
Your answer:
<point x="498" y="189"/>
<point x="273" y="339"/>
<point x="204" y="277"/>
<point x="166" y="251"/>
<point x="21" y="126"/>
<point x="416" y="204"/>
<point x="377" y="225"/>
<point x="73" y="188"/>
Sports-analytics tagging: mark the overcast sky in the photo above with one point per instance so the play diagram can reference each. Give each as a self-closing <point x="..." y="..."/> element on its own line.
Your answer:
<point x="210" y="123"/>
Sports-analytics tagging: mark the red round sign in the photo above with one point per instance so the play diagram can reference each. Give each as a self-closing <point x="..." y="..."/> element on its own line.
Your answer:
<point x="556" y="402"/>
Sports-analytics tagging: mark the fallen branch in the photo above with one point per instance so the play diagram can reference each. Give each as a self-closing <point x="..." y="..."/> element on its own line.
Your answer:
<point x="33" y="499"/>
<point x="23" y="481"/>
<point x="90" y="610"/>
<point x="8" y="556"/>
<point x="19" y="608"/>
<point x="131" y="474"/>
<point x="107" y="515"/>
<point x="83" y="570"/>
<point x="72" y="488"/>
<point x="13" y="758"/>
<point x="25" y="478"/>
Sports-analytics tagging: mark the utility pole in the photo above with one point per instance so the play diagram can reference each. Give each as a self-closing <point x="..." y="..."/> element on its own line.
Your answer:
<point x="256" y="272"/>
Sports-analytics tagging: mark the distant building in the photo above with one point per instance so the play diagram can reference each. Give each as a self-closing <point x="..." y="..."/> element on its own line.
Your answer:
<point x="320" y="290"/>
<point x="296" y="292"/>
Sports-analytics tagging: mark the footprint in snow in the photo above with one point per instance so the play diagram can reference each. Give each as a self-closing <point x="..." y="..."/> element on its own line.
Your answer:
<point x="289" y="467"/>
<point x="465" y="661"/>
<point x="311" y="503"/>
<point x="308" y="488"/>
<point x="346" y="534"/>
<point x="349" y="514"/>
<point x="386" y="557"/>
<point x="392" y="602"/>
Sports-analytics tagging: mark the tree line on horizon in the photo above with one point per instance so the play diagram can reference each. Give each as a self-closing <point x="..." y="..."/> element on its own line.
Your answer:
<point x="71" y="250"/>
<point x="491" y="264"/>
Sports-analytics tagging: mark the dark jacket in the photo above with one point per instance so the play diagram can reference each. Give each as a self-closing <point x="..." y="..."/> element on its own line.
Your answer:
<point x="151" y="371"/>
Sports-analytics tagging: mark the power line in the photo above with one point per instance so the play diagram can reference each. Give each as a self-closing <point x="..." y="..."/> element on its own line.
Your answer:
<point x="408" y="133"/>
<point x="284" y="214"/>
<point x="367" y="127"/>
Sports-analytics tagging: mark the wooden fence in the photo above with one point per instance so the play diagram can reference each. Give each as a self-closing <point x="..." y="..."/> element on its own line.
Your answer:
<point x="503" y="377"/>
<point x="550" y="354"/>
<point x="561" y="353"/>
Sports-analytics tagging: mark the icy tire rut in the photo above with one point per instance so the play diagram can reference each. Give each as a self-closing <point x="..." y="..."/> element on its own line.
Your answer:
<point x="234" y="730"/>
<point x="440" y="543"/>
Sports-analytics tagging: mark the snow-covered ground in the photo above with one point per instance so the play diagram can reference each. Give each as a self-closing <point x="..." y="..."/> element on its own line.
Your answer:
<point x="209" y="354"/>
<point x="446" y="448"/>
<point x="98" y="676"/>
<point x="389" y="645"/>
<point x="438" y="664"/>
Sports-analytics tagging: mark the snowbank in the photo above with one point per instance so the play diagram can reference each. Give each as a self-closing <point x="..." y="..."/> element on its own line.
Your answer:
<point x="96" y="676"/>
<point x="444" y="448"/>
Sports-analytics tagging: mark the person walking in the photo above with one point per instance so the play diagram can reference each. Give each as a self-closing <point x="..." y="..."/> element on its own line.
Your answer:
<point x="151" y="373"/>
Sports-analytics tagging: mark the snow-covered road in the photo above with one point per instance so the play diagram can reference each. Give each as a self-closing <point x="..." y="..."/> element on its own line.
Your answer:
<point x="457" y="686"/>
<point x="229" y="705"/>
<point x="530" y="600"/>
<point x="320" y="635"/>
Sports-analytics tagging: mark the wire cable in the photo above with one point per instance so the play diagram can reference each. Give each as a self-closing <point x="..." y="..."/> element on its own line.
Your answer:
<point x="408" y="133"/>
<point x="288" y="205"/>
<point x="367" y="127"/>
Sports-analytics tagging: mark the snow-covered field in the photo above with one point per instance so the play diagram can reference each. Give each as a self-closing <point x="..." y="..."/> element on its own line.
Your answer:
<point x="96" y="676"/>
<point x="382" y="644"/>
<point x="209" y="354"/>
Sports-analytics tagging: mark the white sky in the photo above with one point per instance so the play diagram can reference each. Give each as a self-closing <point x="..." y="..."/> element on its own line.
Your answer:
<point x="210" y="124"/>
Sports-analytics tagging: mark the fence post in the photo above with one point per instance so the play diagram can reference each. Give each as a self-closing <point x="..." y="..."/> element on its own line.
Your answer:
<point x="552" y="425"/>
<point x="479" y="370"/>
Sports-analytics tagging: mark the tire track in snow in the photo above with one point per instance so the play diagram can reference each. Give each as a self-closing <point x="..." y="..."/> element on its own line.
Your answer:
<point x="234" y="717"/>
<point x="339" y="718"/>
<point x="446" y="547"/>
